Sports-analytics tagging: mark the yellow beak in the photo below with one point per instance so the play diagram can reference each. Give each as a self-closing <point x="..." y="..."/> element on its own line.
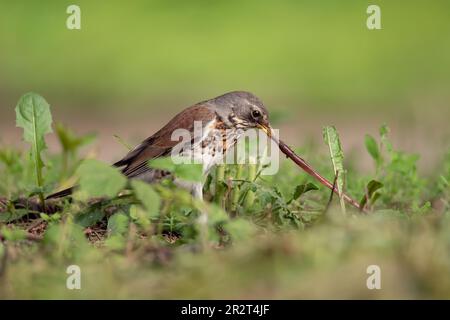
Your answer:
<point x="266" y="129"/>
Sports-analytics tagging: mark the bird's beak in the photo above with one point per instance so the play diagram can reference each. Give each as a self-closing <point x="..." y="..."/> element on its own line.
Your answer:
<point x="266" y="128"/>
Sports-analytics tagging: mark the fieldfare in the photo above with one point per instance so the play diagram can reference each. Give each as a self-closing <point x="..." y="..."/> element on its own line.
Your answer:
<point x="221" y="122"/>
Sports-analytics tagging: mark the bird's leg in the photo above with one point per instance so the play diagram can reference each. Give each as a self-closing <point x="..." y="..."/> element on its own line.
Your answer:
<point x="197" y="193"/>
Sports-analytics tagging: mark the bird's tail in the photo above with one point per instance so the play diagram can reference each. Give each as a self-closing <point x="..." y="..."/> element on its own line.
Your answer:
<point x="61" y="194"/>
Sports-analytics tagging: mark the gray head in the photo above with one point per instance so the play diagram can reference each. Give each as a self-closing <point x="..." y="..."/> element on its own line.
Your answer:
<point x="241" y="109"/>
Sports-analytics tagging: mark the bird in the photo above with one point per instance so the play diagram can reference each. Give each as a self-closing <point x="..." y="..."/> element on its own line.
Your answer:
<point x="222" y="121"/>
<point x="212" y="127"/>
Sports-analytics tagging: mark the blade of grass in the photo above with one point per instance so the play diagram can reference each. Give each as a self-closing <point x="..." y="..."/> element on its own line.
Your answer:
<point x="123" y="142"/>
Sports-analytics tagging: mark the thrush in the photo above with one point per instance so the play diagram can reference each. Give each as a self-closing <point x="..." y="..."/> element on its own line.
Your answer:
<point x="222" y="121"/>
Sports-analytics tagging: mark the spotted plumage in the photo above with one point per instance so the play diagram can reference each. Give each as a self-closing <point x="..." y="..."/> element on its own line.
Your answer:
<point x="223" y="120"/>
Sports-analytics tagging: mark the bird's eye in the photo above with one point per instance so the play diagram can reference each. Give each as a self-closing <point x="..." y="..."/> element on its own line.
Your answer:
<point x="256" y="114"/>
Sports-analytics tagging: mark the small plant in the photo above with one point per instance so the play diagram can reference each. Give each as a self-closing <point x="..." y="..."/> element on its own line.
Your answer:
<point x="33" y="115"/>
<point x="396" y="170"/>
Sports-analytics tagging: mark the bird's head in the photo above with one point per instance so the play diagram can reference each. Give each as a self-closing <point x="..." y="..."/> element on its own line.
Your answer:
<point x="243" y="110"/>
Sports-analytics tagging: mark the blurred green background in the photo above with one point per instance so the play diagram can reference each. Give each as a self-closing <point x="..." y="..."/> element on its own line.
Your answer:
<point x="134" y="64"/>
<point x="313" y="63"/>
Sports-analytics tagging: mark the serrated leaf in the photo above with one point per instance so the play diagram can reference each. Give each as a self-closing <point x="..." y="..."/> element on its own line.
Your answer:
<point x="98" y="179"/>
<point x="149" y="198"/>
<point x="331" y="138"/>
<point x="34" y="117"/>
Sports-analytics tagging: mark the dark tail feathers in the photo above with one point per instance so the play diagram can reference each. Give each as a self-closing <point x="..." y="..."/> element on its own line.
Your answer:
<point x="61" y="194"/>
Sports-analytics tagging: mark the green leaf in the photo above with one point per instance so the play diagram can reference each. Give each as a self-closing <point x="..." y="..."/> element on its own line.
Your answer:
<point x="384" y="132"/>
<point x="149" y="198"/>
<point x="372" y="148"/>
<point x="301" y="189"/>
<point x="240" y="229"/>
<point x="162" y="164"/>
<point x="69" y="141"/>
<point x="375" y="197"/>
<point x="98" y="179"/>
<point x="118" y="224"/>
<point x="116" y="242"/>
<point x="66" y="238"/>
<point x="139" y="216"/>
<point x="117" y="229"/>
<point x="371" y="188"/>
<point x="13" y="234"/>
<point x="216" y="214"/>
<point x="89" y="218"/>
<point x="10" y="216"/>
<point x="188" y="172"/>
<point x="33" y="115"/>
<point x="45" y="217"/>
<point x="331" y="138"/>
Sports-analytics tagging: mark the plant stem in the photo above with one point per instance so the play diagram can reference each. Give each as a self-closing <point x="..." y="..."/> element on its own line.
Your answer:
<point x="37" y="161"/>
<point x="236" y="189"/>
<point x="250" y="198"/>
<point x="220" y="176"/>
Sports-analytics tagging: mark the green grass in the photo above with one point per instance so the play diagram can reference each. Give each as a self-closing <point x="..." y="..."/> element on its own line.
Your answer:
<point x="142" y="241"/>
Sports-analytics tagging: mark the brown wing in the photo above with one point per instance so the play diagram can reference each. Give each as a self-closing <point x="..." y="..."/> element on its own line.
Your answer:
<point x="161" y="144"/>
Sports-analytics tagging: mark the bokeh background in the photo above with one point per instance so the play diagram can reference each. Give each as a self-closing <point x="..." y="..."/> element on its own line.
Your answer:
<point x="134" y="64"/>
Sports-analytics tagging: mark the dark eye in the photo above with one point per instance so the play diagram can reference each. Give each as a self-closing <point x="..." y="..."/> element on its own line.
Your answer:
<point x="256" y="114"/>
